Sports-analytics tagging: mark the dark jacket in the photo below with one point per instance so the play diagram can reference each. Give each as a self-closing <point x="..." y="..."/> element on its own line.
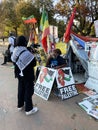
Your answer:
<point x="53" y="62"/>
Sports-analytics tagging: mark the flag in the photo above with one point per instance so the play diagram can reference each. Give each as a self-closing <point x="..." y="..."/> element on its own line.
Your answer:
<point x="68" y="29"/>
<point x="42" y="20"/>
<point x="44" y="26"/>
<point x="30" y="19"/>
<point x="33" y="38"/>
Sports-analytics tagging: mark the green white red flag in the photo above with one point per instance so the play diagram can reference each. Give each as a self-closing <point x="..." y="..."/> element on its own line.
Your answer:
<point x="30" y="19"/>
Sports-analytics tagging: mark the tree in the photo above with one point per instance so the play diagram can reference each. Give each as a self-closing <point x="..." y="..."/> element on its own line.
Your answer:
<point x="86" y="14"/>
<point x="9" y="16"/>
<point x="11" y="13"/>
<point x="26" y="9"/>
<point x="48" y="6"/>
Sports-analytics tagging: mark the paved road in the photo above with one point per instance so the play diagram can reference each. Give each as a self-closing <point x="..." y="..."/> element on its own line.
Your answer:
<point x="53" y="114"/>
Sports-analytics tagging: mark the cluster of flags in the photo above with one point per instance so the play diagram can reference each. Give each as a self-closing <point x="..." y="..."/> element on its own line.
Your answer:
<point x="44" y="28"/>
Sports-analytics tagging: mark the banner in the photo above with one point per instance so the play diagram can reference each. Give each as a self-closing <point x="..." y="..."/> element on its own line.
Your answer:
<point x="44" y="82"/>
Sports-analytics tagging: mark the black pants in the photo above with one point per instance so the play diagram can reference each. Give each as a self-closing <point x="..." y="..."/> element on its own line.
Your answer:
<point x="25" y="92"/>
<point x="37" y="72"/>
<point x="7" y="56"/>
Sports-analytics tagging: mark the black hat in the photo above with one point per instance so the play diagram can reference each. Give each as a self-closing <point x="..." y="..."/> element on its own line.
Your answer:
<point x="21" y="41"/>
<point x="10" y="33"/>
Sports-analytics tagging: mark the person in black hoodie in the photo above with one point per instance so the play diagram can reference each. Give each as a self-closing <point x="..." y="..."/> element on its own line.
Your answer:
<point x="55" y="60"/>
<point x="24" y="62"/>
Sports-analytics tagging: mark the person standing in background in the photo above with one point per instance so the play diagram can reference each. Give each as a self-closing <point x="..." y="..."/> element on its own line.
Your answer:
<point x="11" y="41"/>
<point x="3" y="40"/>
<point x="9" y="51"/>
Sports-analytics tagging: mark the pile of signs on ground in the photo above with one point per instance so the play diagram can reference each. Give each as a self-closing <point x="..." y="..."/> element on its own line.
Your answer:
<point x="90" y="105"/>
<point x="90" y="88"/>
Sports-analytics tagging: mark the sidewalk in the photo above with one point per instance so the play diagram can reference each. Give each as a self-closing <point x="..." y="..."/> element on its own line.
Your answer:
<point x="53" y="114"/>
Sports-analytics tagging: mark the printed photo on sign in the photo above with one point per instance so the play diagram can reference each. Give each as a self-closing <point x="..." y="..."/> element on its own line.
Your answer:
<point x="64" y="77"/>
<point x="44" y="82"/>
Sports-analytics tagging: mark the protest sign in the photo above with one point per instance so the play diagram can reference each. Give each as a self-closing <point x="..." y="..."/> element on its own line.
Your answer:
<point x="90" y="105"/>
<point x="65" y="83"/>
<point x="44" y="82"/>
<point x="68" y="91"/>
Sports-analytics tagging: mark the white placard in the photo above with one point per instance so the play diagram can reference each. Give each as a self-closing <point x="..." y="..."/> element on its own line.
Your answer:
<point x="44" y="82"/>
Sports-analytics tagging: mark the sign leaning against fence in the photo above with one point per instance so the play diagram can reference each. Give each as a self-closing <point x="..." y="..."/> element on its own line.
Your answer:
<point x="45" y="82"/>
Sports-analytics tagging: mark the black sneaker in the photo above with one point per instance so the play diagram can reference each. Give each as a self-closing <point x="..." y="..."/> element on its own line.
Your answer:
<point x="3" y="63"/>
